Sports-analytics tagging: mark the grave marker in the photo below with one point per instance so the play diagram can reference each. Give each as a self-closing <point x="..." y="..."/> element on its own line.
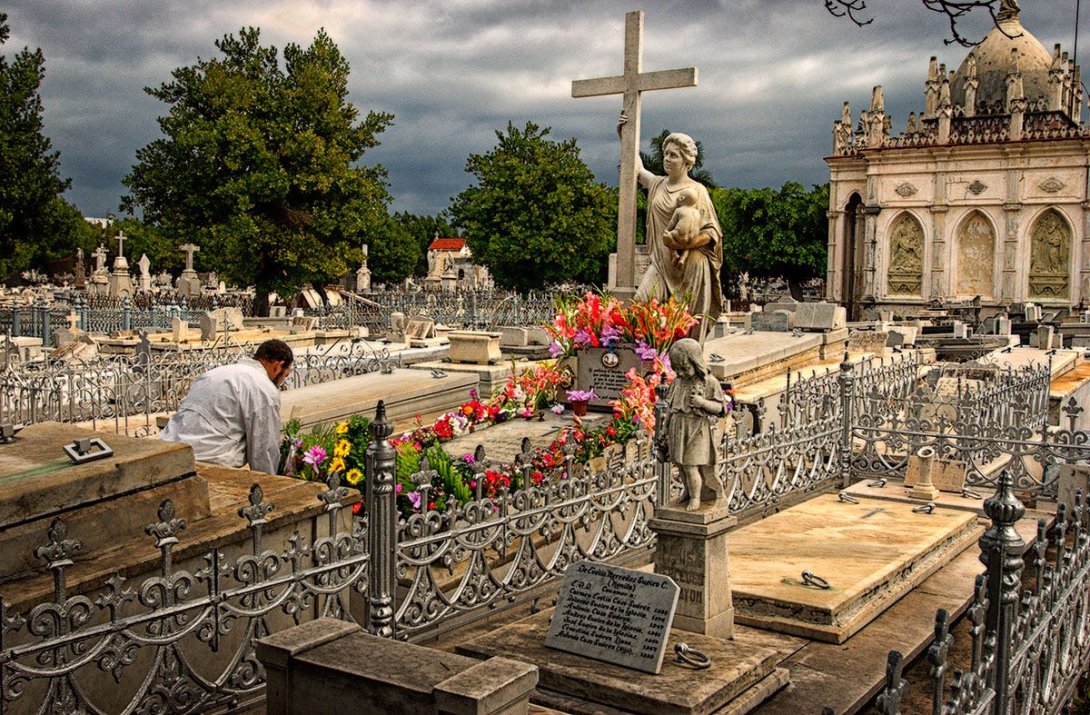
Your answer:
<point x="614" y="614"/>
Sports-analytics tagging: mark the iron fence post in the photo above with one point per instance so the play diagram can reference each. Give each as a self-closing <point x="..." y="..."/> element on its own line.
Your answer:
<point x="1001" y="550"/>
<point x="126" y="313"/>
<point x="847" y="385"/>
<point x="41" y="317"/>
<point x="16" y="322"/>
<point x="381" y="525"/>
<point x="81" y="312"/>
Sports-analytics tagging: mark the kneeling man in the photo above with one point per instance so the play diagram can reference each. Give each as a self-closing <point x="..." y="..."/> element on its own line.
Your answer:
<point x="231" y="415"/>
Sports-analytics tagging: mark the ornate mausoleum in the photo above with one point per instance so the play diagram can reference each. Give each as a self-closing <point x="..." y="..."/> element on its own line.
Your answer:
<point x="984" y="195"/>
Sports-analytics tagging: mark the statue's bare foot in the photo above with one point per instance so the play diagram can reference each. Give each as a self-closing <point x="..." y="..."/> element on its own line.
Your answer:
<point x="694" y="504"/>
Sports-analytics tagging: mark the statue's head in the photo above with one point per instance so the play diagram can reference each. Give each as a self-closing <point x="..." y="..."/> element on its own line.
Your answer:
<point x="687" y="358"/>
<point x="685" y="145"/>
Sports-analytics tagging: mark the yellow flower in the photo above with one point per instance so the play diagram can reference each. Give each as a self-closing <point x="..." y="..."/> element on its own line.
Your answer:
<point x="342" y="428"/>
<point x="337" y="465"/>
<point x="342" y="449"/>
<point x="354" y="476"/>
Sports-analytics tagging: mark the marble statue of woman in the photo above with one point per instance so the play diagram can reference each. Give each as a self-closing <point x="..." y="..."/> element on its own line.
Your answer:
<point x="697" y="277"/>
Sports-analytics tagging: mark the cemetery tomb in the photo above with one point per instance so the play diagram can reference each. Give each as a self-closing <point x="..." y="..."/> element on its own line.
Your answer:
<point x="740" y="677"/>
<point x="868" y="553"/>
<point x="407" y="393"/>
<point x="98" y="498"/>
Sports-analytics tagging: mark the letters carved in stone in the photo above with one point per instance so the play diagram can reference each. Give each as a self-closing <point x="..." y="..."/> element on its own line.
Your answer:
<point x="1050" y="256"/>
<point x="905" y="272"/>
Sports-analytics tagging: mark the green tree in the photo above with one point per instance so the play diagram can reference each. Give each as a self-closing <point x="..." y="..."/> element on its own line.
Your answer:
<point x="774" y="234"/>
<point x="36" y="223"/>
<point x="536" y="215"/>
<point x="394" y="253"/>
<point x="258" y="164"/>
<point x="424" y="230"/>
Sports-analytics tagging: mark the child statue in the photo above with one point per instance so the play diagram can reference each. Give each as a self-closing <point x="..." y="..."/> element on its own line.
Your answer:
<point x="684" y="225"/>
<point x="694" y="403"/>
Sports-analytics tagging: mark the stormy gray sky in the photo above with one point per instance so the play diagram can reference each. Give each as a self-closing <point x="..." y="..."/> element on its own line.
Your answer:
<point x="773" y="75"/>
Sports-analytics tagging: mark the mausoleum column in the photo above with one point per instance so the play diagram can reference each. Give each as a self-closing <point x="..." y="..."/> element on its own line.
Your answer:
<point x="1083" y="289"/>
<point x="835" y="255"/>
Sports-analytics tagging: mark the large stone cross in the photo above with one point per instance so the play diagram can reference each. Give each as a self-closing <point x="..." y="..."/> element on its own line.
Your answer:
<point x="631" y="84"/>
<point x="189" y="249"/>
<point x="120" y="243"/>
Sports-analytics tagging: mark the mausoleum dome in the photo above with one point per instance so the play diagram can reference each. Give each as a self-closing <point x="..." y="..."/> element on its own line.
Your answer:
<point x="994" y="61"/>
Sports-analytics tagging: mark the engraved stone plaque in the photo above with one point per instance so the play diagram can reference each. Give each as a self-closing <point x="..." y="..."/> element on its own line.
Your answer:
<point x="614" y="614"/>
<point x="603" y="370"/>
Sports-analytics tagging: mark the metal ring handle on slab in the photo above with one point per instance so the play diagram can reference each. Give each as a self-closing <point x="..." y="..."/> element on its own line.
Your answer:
<point x="87" y="449"/>
<point x="928" y="508"/>
<point x="969" y="494"/>
<point x="877" y="483"/>
<point x="691" y="657"/>
<point x="812" y="579"/>
<point x="847" y="498"/>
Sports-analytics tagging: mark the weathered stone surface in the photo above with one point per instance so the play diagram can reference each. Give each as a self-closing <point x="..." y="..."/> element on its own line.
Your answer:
<point x="692" y="550"/>
<point x="677" y="690"/>
<point x="471" y="346"/>
<point x="614" y="614"/>
<point x="1073" y="478"/>
<point x="870" y="553"/>
<point x="315" y="667"/>
<point x="820" y="316"/>
<point x="407" y="393"/>
<point x="947" y="475"/>
<point x="40" y="481"/>
<point x="775" y="321"/>
<point x="419" y="328"/>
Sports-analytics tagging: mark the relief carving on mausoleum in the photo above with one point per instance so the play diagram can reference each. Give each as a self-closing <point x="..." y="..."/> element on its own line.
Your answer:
<point x="905" y="272"/>
<point x="1049" y="257"/>
<point x="975" y="256"/>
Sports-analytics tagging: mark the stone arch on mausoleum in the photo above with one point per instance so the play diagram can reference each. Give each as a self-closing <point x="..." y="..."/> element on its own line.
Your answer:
<point x="852" y="257"/>
<point x="1050" y="249"/>
<point x="974" y="256"/>
<point x="905" y="250"/>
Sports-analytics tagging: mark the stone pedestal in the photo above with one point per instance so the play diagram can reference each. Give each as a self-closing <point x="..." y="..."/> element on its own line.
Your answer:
<point x="692" y="550"/>
<point x="316" y="667"/>
<point x="924" y="463"/>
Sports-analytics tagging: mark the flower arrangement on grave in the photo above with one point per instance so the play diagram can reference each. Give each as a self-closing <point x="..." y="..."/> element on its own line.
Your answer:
<point x="315" y="455"/>
<point x="599" y="320"/>
<point x="592" y="320"/>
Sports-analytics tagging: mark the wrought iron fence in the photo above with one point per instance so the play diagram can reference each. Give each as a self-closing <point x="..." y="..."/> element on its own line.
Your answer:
<point x="479" y="309"/>
<point x="415" y="576"/>
<point x="182" y="640"/>
<point x="126" y="392"/>
<point x="1030" y="637"/>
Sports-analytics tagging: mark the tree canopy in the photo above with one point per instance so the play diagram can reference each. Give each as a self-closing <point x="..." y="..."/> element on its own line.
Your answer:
<point x="36" y="223"/>
<point x="536" y="215"/>
<point x="259" y="164"/>
<point x="773" y="233"/>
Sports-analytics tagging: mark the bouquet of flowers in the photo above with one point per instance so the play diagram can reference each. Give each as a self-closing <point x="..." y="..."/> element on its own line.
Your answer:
<point x="595" y="320"/>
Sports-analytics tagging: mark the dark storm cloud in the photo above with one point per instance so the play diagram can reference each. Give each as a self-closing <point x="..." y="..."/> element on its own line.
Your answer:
<point x="773" y="75"/>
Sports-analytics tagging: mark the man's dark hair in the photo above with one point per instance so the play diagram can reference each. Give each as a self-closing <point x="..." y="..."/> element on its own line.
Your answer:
<point x="274" y="350"/>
